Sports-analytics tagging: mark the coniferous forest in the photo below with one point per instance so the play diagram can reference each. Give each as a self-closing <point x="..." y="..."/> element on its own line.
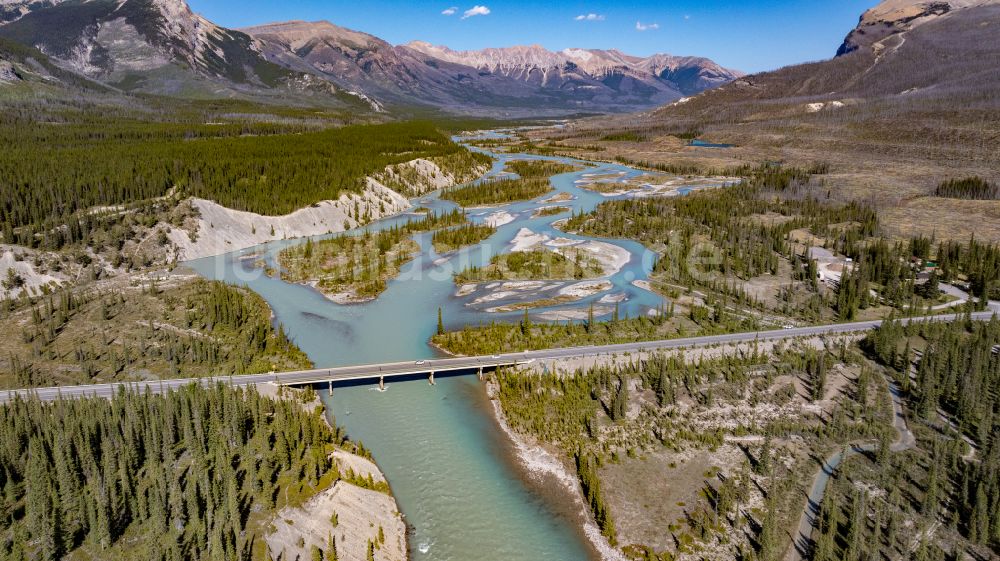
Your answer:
<point x="51" y="172"/>
<point x="498" y="191"/>
<point x="189" y="474"/>
<point x="186" y="329"/>
<point x="941" y="498"/>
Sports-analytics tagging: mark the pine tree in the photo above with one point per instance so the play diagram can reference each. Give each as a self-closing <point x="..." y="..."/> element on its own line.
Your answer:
<point x="331" y="548"/>
<point x="619" y="406"/>
<point x="763" y="465"/>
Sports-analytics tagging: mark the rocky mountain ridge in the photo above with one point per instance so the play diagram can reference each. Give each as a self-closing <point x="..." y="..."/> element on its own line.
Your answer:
<point x="163" y="47"/>
<point x="519" y="77"/>
<point x="155" y="46"/>
<point x="892" y="17"/>
<point x="686" y="74"/>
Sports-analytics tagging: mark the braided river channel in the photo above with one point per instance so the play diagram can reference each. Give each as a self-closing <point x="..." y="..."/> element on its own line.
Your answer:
<point x="449" y="464"/>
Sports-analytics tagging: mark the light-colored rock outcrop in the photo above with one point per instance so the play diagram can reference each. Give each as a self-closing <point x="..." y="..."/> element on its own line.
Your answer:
<point x="892" y="17"/>
<point x="416" y="177"/>
<point x="7" y="72"/>
<point x="360" y="513"/>
<point x="16" y="276"/>
<point x="221" y="230"/>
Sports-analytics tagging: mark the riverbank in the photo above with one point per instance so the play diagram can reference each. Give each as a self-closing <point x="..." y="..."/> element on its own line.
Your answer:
<point x="348" y="269"/>
<point x="677" y="442"/>
<point x="611" y="258"/>
<point x="506" y="296"/>
<point x="542" y="466"/>
<point x="355" y="514"/>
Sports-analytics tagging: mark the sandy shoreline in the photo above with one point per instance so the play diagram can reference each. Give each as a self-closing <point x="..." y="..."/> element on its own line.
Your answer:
<point x="499" y="218"/>
<point x="540" y="463"/>
<point x="611" y="257"/>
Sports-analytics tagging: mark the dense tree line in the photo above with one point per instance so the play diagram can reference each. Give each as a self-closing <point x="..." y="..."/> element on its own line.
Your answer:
<point x="497" y="191"/>
<point x="586" y="471"/>
<point x="890" y="271"/>
<point x="624" y="136"/>
<point x="532" y="169"/>
<point x="956" y="375"/>
<point x="975" y="188"/>
<point x="502" y="337"/>
<point x="182" y="475"/>
<point x="197" y="329"/>
<point x="454" y="238"/>
<point x="677" y="169"/>
<point x="435" y="220"/>
<point x="49" y="173"/>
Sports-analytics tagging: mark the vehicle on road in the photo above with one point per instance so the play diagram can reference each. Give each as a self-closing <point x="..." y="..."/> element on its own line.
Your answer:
<point x="420" y="362"/>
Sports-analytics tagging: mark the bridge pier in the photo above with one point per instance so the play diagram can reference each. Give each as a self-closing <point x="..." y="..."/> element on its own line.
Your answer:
<point x="480" y="373"/>
<point x="381" y="383"/>
<point x="330" y="387"/>
<point x="431" y="379"/>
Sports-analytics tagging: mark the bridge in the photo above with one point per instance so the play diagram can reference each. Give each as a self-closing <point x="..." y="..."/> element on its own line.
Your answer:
<point x="378" y="373"/>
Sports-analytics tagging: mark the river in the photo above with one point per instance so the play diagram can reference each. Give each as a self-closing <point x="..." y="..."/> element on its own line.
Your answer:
<point x="447" y="462"/>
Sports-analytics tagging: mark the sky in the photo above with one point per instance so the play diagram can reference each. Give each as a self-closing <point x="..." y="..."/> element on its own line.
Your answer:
<point x="748" y="35"/>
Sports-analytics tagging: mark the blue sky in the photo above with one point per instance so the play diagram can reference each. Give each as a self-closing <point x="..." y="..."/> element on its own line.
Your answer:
<point x="749" y="35"/>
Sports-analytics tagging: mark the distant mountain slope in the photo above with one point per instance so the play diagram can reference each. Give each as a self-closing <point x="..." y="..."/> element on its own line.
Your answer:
<point x="366" y="64"/>
<point x="20" y="64"/>
<point x="156" y="46"/>
<point x="514" y="77"/>
<point x="661" y="72"/>
<point x="897" y="16"/>
<point x="162" y="47"/>
<point x="950" y="51"/>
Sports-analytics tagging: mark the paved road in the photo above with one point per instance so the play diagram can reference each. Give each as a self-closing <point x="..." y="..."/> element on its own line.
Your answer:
<point x="409" y="368"/>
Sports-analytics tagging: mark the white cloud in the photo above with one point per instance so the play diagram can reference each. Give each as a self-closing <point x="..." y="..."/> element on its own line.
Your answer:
<point x="476" y="11"/>
<point x="687" y="17"/>
<point x="639" y="26"/>
<point x="589" y="17"/>
<point x="450" y="11"/>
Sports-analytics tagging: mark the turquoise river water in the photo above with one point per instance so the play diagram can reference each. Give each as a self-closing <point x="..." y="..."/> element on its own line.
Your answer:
<point x="447" y="461"/>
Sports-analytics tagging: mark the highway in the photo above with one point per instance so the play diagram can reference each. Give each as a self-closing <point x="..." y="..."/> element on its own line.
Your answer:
<point x="426" y="367"/>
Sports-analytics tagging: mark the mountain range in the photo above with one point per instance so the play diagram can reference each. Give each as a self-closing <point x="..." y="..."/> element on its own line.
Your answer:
<point x="162" y="47"/>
